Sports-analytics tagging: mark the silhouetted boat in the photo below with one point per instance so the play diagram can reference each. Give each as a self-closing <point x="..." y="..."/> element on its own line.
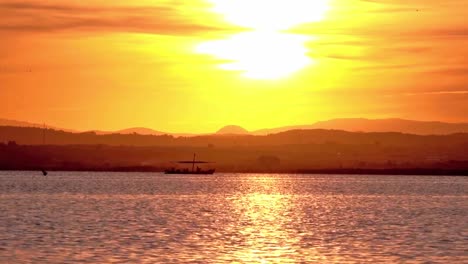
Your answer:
<point x="193" y="171"/>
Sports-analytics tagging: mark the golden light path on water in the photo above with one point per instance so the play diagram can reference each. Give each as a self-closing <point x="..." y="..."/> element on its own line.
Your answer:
<point x="268" y="225"/>
<point x="266" y="51"/>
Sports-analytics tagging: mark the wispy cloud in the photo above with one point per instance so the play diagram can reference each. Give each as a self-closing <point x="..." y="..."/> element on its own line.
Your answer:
<point x="34" y="16"/>
<point x="459" y="71"/>
<point x="436" y="93"/>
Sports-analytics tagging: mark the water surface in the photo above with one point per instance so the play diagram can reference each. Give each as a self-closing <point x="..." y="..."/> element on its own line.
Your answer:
<point x="78" y="217"/>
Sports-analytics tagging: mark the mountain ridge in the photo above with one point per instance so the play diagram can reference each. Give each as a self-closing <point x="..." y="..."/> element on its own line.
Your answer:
<point x="345" y="124"/>
<point x="232" y="130"/>
<point x="16" y="123"/>
<point x="378" y="125"/>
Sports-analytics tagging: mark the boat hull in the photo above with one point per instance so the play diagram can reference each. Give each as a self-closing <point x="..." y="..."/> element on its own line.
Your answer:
<point x="185" y="172"/>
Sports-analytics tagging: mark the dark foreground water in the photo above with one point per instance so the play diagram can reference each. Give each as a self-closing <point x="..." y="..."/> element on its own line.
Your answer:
<point x="74" y="217"/>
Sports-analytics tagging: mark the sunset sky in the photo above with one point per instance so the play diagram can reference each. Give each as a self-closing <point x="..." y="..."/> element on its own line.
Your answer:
<point x="195" y="66"/>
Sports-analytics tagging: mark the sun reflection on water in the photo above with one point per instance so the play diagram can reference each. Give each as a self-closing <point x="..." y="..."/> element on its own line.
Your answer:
<point x="266" y="225"/>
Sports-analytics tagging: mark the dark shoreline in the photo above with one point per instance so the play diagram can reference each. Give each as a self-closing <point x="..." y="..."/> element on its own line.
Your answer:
<point x="378" y="172"/>
<point x="295" y="151"/>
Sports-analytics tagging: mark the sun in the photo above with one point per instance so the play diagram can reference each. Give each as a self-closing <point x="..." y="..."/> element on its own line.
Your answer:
<point x="265" y="50"/>
<point x="260" y="55"/>
<point x="271" y="15"/>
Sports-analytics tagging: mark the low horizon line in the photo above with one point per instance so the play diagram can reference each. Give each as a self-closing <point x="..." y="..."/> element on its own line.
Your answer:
<point x="293" y="126"/>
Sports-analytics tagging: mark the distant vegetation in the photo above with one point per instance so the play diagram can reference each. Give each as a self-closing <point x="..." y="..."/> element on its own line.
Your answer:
<point x="292" y="151"/>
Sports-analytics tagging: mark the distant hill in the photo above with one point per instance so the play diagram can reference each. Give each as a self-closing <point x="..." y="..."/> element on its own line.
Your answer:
<point x="345" y="124"/>
<point x="33" y="136"/>
<point x="15" y="123"/>
<point x="140" y="131"/>
<point x="232" y="130"/>
<point x="136" y="130"/>
<point x="378" y="125"/>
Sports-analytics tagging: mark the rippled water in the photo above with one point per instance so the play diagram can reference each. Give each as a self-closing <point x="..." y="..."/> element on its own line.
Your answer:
<point x="74" y="217"/>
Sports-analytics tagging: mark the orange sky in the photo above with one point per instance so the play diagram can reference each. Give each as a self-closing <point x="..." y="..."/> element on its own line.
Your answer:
<point x="194" y="66"/>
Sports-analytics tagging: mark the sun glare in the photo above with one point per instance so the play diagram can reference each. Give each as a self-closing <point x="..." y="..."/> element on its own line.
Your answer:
<point x="271" y="15"/>
<point x="260" y="55"/>
<point x="266" y="51"/>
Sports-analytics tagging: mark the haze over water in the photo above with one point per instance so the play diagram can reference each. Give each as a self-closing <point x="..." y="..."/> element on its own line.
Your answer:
<point x="77" y="217"/>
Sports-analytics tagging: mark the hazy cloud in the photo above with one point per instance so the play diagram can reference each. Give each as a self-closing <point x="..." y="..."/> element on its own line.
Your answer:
<point x="34" y="16"/>
<point x="463" y="71"/>
<point x="436" y="93"/>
